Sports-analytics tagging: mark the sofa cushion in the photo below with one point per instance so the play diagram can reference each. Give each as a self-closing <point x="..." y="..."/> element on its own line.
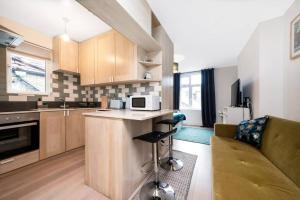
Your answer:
<point x="281" y="145"/>
<point x="251" y="131"/>
<point x="240" y="171"/>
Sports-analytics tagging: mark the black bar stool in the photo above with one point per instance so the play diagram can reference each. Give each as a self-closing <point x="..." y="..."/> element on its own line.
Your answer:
<point x="156" y="189"/>
<point x="170" y="163"/>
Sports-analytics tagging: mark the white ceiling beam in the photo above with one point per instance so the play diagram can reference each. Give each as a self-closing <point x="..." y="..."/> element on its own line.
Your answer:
<point x="112" y="13"/>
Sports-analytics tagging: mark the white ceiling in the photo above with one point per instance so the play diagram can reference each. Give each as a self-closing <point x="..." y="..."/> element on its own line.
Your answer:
<point x="46" y="16"/>
<point x="211" y="33"/>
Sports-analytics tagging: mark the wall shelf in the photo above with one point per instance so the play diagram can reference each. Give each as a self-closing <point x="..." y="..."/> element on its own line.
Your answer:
<point x="149" y="64"/>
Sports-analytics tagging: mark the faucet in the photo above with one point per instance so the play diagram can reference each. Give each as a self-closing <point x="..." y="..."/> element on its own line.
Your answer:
<point x="63" y="100"/>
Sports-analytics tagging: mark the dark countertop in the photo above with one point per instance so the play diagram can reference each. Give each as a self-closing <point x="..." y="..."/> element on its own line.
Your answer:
<point x="7" y="107"/>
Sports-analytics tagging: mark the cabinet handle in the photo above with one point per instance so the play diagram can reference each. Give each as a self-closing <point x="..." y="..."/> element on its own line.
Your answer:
<point x="7" y="161"/>
<point x="68" y="113"/>
<point x="64" y="113"/>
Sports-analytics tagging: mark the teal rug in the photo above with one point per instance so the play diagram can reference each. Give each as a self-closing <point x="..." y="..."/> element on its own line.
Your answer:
<point x="194" y="134"/>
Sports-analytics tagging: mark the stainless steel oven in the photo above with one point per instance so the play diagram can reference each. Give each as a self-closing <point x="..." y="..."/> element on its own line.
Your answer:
<point x="19" y="133"/>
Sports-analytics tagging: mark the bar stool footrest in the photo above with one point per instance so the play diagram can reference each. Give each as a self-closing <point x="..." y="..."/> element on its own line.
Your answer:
<point x="161" y="191"/>
<point x="171" y="164"/>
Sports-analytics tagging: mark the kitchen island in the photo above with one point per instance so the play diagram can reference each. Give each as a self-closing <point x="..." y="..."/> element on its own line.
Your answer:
<point x="113" y="160"/>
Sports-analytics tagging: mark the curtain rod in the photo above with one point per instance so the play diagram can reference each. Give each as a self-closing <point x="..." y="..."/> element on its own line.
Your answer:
<point x="195" y="71"/>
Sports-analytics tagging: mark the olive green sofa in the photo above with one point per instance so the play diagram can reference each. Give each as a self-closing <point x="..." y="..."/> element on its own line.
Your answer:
<point x="242" y="172"/>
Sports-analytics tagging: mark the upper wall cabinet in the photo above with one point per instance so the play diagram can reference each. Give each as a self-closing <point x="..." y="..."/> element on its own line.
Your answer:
<point x="126" y="65"/>
<point x="87" y="61"/>
<point x="111" y="58"/>
<point x="65" y="55"/>
<point x="105" y="58"/>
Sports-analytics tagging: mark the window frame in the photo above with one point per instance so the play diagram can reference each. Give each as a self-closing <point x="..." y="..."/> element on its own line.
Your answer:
<point x="190" y="86"/>
<point x="9" y="90"/>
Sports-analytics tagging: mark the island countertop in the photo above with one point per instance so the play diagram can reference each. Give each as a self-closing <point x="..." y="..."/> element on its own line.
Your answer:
<point x="129" y="114"/>
<point x="113" y="160"/>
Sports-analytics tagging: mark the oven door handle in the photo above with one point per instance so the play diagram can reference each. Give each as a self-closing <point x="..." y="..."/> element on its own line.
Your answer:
<point x="18" y="125"/>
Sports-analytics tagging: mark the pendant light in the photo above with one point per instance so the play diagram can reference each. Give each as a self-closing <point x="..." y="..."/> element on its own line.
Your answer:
<point x="65" y="35"/>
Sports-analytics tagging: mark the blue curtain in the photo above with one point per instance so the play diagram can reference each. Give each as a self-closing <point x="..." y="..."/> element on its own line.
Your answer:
<point x="208" y="101"/>
<point x="176" y="92"/>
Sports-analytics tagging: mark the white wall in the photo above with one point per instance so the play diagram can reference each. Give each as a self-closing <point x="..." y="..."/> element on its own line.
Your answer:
<point x="248" y="62"/>
<point x="271" y="68"/>
<point x="265" y="65"/>
<point x="291" y="69"/>
<point x="224" y="77"/>
<point x="260" y="68"/>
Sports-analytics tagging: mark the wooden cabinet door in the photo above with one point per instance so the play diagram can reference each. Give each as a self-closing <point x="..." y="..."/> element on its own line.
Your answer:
<point x="52" y="133"/>
<point x="65" y="55"/>
<point x="74" y="129"/>
<point x="105" y="58"/>
<point x="126" y="68"/>
<point x="87" y="53"/>
<point x="69" y="56"/>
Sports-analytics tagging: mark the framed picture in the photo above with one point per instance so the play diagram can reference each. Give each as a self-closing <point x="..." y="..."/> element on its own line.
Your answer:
<point x="295" y="38"/>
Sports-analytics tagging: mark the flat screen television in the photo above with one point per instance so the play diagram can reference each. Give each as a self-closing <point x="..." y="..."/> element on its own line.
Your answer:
<point x="236" y="97"/>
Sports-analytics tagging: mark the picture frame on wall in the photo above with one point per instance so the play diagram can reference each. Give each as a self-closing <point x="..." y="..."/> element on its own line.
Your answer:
<point x="295" y="38"/>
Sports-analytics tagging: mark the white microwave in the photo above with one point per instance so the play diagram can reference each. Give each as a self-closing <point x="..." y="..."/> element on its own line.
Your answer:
<point x="145" y="102"/>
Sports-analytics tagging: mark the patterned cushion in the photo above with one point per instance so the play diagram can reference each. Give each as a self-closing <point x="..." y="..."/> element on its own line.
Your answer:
<point x="251" y="131"/>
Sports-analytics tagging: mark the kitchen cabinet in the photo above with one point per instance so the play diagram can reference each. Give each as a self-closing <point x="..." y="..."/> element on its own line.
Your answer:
<point x="52" y="133"/>
<point x="114" y="59"/>
<point x="105" y="60"/>
<point x="61" y="131"/>
<point x="75" y="129"/>
<point x="65" y="55"/>
<point x="87" y="61"/>
<point x="126" y="67"/>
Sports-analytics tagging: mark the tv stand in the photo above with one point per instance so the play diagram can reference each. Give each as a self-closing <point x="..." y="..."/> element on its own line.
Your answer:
<point x="234" y="115"/>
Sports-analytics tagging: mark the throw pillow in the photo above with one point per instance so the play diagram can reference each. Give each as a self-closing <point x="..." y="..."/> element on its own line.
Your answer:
<point x="251" y="131"/>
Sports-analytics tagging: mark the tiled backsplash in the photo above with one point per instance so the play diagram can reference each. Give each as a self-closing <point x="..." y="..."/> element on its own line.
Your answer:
<point x="68" y="87"/>
<point x="121" y="91"/>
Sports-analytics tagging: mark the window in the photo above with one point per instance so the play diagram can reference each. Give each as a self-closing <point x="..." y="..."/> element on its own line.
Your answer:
<point x="26" y="74"/>
<point x="190" y="91"/>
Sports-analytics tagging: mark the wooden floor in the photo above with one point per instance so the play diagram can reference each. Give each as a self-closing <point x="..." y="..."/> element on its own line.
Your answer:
<point x="201" y="181"/>
<point x="62" y="178"/>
